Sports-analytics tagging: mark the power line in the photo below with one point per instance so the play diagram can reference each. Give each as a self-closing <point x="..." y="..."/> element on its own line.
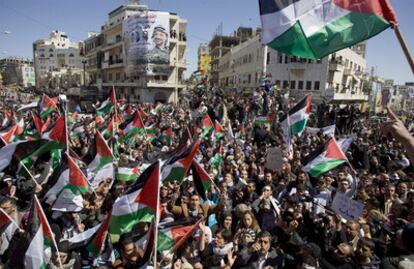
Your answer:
<point x="26" y="16"/>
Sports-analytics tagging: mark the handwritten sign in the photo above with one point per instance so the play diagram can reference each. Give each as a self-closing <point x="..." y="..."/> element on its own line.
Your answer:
<point x="346" y="207"/>
<point x="274" y="159"/>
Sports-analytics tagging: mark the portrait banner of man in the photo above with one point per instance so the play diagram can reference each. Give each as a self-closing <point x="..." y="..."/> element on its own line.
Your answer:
<point x="146" y="41"/>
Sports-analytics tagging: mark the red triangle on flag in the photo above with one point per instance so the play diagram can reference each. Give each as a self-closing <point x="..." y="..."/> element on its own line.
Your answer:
<point x="333" y="151"/>
<point x="149" y="194"/>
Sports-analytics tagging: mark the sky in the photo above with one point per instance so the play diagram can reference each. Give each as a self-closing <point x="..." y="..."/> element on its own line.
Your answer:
<point x="30" y="20"/>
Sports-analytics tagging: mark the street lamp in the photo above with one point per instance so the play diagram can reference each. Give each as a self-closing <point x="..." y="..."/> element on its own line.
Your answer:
<point x="84" y="76"/>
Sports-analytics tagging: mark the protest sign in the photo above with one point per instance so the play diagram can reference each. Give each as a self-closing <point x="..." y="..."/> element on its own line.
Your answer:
<point x="274" y="159"/>
<point x="347" y="208"/>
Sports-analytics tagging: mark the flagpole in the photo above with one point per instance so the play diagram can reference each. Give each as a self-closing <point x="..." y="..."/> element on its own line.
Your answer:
<point x="48" y="226"/>
<point x="404" y="47"/>
<point x="30" y="174"/>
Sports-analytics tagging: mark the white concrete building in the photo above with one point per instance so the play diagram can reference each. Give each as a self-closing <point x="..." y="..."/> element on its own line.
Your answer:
<point x="55" y="58"/>
<point x="338" y="77"/>
<point x="106" y="55"/>
<point x="15" y="70"/>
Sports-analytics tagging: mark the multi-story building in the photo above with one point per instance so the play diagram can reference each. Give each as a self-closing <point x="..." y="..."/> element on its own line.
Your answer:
<point x="107" y="57"/>
<point x="204" y="59"/>
<point x="220" y="45"/>
<point x="17" y="71"/>
<point x="338" y="77"/>
<point x="58" y="61"/>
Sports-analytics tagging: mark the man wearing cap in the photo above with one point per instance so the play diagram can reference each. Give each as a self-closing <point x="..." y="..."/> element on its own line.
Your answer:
<point x="159" y="54"/>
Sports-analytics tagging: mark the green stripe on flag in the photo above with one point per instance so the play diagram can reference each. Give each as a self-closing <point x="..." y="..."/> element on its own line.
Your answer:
<point x="164" y="242"/>
<point x="322" y="168"/>
<point x="125" y="223"/>
<point x="298" y="127"/>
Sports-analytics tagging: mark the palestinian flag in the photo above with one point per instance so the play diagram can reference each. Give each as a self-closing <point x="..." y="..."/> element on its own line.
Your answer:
<point x="37" y="122"/>
<point x="201" y="179"/>
<point x="324" y="159"/>
<point x="12" y="154"/>
<point x="6" y="119"/>
<point x="175" y="235"/>
<point x="103" y="156"/>
<point x="113" y="127"/>
<point x="263" y="120"/>
<point x="101" y="168"/>
<point x="20" y="126"/>
<point x="56" y="182"/>
<point x="177" y="167"/>
<point x="72" y="118"/>
<point x="108" y="104"/>
<point x="218" y="131"/>
<point x="46" y="106"/>
<point x="58" y="133"/>
<point x="128" y="113"/>
<point x="142" y="112"/>
<point x="57" y="141"/>
<point x="40" y="237"/>
<point x="216" y="160"/>
<point x="9" y="136"/>
<point x="295" y="122"/>
<point x="206" y="125"/>
<point x="138" y="204"/>
<point x="167" y="135"/>
<point x="135" y="127"/>
<point x="127" y="174"/>
<point x="5" y="221"/>
<point x="7" y="229"/>
<point x="70" y="198"/>
<point x="97" y="244"/>
<point x="313" y="28"/>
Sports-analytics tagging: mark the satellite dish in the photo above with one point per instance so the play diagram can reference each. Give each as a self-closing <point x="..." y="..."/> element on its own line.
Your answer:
<point x="7" y="32"/>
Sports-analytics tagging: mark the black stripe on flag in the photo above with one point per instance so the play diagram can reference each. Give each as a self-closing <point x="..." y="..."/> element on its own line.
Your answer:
<point x="296" y="108"/>
<point x="273" y="6"/>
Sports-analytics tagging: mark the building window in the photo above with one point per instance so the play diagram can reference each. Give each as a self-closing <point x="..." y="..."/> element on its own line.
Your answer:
<point x="71" y="55"/>
<point x="300" y="85"/>
<point x="309" y="85"/>
<point x="280" y="58"/>
<point x="118" y="76"/>
<point x="285" y="84"/>
<point x="110" y="76"/>
<point x="268" y="58"/>
<point x="50" y="55"/>
<point x="317" y="85"/>
<point x="292" y="84"/>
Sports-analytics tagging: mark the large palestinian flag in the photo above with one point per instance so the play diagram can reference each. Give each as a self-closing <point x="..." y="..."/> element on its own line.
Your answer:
<point x="70" y="198"/>
<point x="138" y="204"/>
<point x="201" y="179"/>
<point x="108" y="104"/>
<point x="177" y="167"/>
<point x="101" y="168"/>
<point x="13" y="153"/>
<point x="324" y="159"/>
<point x="174" y="236"/>
<point x="40" y="237"/>
<point x="314" y="28"/>
<point x="295" y="122"/>
<point x="46" y="106"/>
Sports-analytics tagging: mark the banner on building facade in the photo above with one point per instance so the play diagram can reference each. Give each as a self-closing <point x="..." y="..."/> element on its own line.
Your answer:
<point x="146" y="42"/>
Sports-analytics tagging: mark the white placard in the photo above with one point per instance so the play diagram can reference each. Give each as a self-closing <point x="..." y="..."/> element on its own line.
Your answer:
<point x="346" y="207"/>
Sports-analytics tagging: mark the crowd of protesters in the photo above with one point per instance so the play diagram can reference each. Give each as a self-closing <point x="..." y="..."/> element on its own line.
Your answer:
<point x="253" y="217"/>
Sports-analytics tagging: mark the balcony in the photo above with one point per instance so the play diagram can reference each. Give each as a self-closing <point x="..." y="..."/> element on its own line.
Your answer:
<point x="113" y="64"/>
<point x="336" y="66"/>
<point x="350" y="97"/>
<point x="347" y="71"/>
